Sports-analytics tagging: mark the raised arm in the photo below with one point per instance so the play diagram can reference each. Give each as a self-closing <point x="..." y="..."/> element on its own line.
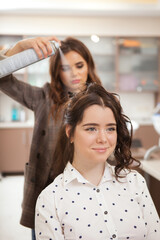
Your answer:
<point x="38" y="44"/>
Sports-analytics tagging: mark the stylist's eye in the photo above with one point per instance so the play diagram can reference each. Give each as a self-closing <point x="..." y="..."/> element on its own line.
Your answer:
<point x="65" y="68"/>
<point x="79" y="65"/>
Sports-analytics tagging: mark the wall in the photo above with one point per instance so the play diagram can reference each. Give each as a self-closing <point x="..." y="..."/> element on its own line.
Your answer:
<point x="105" y="26"/>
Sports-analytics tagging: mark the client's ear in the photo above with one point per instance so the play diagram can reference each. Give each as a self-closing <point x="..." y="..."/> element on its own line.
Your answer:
<point x="68" y="129"/>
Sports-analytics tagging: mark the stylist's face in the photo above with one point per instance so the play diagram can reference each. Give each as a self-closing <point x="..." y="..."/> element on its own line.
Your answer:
<point x="73" y="71"/>
<point x="95" y="137"/>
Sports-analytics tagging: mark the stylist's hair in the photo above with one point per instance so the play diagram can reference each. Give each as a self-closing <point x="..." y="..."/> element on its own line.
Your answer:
<point x="73" y="115"/>
<point x="57" y="87"/>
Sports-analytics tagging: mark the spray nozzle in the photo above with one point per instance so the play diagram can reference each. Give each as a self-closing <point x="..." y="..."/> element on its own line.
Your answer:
<point x="55" y="45"/>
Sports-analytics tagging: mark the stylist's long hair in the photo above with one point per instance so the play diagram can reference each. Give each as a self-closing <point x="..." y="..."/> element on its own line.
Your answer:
<point x="57" y="87"/>
<point x="73" y="115"/>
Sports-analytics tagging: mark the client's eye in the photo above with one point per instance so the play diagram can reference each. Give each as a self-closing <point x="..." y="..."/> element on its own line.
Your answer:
<point x="91" y="129"/>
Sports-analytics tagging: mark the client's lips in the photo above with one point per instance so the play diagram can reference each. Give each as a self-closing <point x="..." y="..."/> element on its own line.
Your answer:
<point x="100" y="150"/>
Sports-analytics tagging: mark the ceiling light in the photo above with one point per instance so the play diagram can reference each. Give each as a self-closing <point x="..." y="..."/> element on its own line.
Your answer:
<point x="95" y="38"/>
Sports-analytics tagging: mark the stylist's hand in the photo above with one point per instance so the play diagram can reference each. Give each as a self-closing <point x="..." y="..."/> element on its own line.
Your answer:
<point x="38" y="44"/>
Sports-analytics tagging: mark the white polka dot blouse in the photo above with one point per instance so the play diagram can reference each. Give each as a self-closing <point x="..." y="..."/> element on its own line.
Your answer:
<point x="71" y="208"/>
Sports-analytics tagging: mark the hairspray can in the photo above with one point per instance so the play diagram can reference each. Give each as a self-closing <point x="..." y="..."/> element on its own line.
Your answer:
<point x="21" y="60"/>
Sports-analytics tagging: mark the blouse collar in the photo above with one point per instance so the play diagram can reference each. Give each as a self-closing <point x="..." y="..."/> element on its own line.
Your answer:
<point x="70" y="174"/>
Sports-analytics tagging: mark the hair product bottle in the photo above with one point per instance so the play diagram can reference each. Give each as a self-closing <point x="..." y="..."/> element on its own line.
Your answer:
<point x="21" y="60"/>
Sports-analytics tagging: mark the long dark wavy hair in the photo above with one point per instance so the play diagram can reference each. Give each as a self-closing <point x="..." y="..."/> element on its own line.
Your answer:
<point x="58" y="94"/>
<point x="73" y="115"/>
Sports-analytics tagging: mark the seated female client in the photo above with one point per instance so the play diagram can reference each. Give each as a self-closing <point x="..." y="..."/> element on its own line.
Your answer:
<point x="91" y="199"/>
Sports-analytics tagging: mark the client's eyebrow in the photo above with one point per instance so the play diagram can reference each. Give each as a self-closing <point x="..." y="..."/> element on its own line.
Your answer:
<point x="96" y="124"/>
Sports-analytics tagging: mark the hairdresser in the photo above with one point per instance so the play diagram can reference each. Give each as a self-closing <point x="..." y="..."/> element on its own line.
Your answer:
<point x="68" y="75"/>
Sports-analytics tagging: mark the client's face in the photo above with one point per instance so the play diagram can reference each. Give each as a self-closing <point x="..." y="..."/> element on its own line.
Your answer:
<point x="95" y="137"/>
